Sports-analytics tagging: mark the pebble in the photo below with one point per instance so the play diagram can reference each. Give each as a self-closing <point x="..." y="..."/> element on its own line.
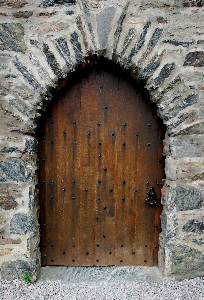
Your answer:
<point x="188" y="289"/>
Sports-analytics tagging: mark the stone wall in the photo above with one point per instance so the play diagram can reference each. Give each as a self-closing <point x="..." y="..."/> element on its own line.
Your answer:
<point x="161" y="43"/>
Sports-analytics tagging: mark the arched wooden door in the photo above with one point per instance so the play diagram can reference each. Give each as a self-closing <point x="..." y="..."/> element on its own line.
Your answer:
<point x="100" y="152"/>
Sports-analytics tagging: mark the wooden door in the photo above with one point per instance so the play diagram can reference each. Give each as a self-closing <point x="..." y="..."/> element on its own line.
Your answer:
<point x="100" y="152"/>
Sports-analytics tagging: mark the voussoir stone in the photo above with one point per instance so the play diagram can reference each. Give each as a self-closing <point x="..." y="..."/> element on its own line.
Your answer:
<point x="104" y="20"/>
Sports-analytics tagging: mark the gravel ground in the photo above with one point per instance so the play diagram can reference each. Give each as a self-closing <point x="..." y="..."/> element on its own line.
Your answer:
<point x="112" y="287"/>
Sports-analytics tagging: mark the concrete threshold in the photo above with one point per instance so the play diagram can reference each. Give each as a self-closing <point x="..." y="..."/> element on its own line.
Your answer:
<point x="98" y="275"/>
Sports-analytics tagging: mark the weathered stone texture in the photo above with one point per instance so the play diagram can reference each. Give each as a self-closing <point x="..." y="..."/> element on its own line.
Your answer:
<point x="119" y="27"/>
<point x="182" y="148"/>
<point x="179" y="43"/>
<point x="89" y="23"/>
<point x="104" y="20"/>
<point x="181" y="199"/>
<point x="7" y="202"/>
<point x="169" y="223"/>
<point x="150" y="68"/>
<point x="74" y="38"/>
<point x="128" y="39"/>
<point x="13" y="3"/>
<point x="12" y="37"/>
<point x="195" y="59"/>
<point x="164" y="73"/>
<point x="188" y="101"/>
<point x="16" y="269"/>
<point x="47" y="3"/>
<point x="197" y="128"/>
<point x="16" y="170"/>
<point x="195" y="226"/>
<point x="28" y="75"/>
<point x="23" y="14"/>
<point x="64" y="50"/>
<point x="138" y="44"/>
<point x="153" y="41"/>
<point x="22" y="224"/>
<point x="184" y="261"/>
<point x="8" y="241"/>
<point x="54" y="65"/>
<point x="31" y="146"/>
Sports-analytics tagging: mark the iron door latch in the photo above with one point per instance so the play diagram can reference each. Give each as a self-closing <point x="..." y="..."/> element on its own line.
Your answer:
<point x="152" y="197"/>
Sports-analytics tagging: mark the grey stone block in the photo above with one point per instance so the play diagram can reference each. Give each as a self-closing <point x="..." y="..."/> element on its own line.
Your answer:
<point x="22" y="224"/>
<point x="52" y="61"/>
<point x="181" y="119"/>
<point x="180" y="149"/>
<point x="13" y="169"/>
<point x="197" y="128"/>
<point x="138" y="44"/>
<point x="169" y="224"/>
<point x="195" y="59"/>
<point x="46" y="3"/>
<point x="28" y="75"/>
<point x="179" y="43"/>
<point x="31" y="146"/>
<point x="16" y="269"/>
<point x="164" y="74"/>
<point x="128" y="39"/>
<point x="12" y="37"/>
<point x="195" y="226"/>
<point x="150" y="68"/>
<point x="153" y="41"/>
<point x="74" y="38"/>
<point x="184" y="199"/>
<point x="185" y="261"/>
<point x="119" y="27"/>
<point x="64" y="50"/>
<point x="88" y="20"/>
<point x="104" y="20"/>
<point x="188" y="101"/>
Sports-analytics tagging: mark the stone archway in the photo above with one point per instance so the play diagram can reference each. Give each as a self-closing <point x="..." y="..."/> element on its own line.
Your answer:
<point x="37" y="60"/>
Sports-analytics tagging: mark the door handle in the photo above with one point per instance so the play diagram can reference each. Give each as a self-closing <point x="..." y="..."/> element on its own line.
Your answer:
<point x="152" y="197"/>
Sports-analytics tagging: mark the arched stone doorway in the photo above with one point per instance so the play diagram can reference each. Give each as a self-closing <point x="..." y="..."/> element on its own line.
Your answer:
<point x="100" y="154"/>
<point x="39" y="54"/>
